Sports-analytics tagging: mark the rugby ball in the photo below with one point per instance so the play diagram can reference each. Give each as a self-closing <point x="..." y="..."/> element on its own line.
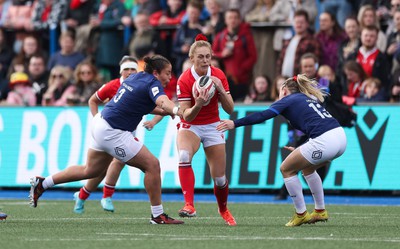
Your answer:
<point x="206" y="83"/>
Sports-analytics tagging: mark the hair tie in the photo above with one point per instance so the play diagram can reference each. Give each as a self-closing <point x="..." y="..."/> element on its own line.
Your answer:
<point x="295" y="78"/>
<point x="200" y="37"/>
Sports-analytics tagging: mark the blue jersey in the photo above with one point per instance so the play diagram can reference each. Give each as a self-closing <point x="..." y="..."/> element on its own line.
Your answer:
<point x="303" y="113"/>
<point x="135" y="97"/>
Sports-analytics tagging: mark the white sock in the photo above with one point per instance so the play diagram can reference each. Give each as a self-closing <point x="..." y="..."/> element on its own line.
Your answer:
<point x="48" y="182"/>
<point x="295" y="190"/>
<point x="157" y="210"/>
<point x="315" y="183"/>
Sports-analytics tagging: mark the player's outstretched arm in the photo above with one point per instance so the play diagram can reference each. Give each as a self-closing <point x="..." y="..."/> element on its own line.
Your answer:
<point x="168" y="106"/>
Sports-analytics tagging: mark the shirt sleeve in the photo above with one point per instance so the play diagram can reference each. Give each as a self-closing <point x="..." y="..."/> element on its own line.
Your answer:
<point x="102" y="93"/>
<point x="156" y="90"/>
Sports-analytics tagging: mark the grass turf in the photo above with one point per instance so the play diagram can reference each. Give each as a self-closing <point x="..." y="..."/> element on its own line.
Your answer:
<point x="53" y="225"/>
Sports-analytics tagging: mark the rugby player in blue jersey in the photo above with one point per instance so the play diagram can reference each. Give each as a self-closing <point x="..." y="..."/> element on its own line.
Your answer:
<point x="300" y="102"/>
<point x="112" y="137"/>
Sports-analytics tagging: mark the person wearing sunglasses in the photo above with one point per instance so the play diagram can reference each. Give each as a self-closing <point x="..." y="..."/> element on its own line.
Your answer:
<point x="59" y="87"/>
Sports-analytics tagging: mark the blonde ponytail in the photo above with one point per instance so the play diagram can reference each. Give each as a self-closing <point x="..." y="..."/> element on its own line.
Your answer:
<point x="301" y="83"/>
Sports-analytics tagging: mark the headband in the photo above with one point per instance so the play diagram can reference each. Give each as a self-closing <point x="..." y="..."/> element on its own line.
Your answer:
<point x="129" y="64"/>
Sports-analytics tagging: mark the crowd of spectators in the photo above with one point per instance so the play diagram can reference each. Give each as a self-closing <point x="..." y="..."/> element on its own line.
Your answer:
<point x="355" y="47"/>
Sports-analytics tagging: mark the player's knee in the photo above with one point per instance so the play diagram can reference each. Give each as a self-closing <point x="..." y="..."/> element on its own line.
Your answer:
<point x="184" y="156"/>
<point x="220" y="181"/>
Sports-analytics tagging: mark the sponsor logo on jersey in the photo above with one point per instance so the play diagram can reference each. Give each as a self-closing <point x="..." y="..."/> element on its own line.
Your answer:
<point x="155" y="90"/>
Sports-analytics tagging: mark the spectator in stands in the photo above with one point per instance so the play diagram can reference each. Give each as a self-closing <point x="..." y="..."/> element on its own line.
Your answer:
<point x="267" y="41"/>
<point x="309" y="6"/>
<point x="330" y="36"/>
<point x="77" y="17"/>
<point x="235" y="48"/>
<point x="394" y="5"/>
<point x="288" y="63"/>
<point x="367" y="17"/>
<point x="30" y="46"/>
<point x="277" y="84"/>
<point x="86" y="81"/>
<point x="145" y="40"/>
<point x="172" y="15"/>
<point x="350" y="45"/>
<point x="38" y="76"/>
<point x="185" y="34"/>
<point x="6" y="56"/>
<point x="395" y="90"/>
<point x="355" y="76"/>
<point x="373" y="91"/>
<point x="66" y="56"/>
<point x="393" y="44"/>
<point x="215" y="22"/>
<point x="243" y="6"/>
<point x="341" y="8"/>
<point x="372" y="60"/>
<point x="46" y="14"/>
<point x="18" y="16"/>
<point x="4" y="5"/>
<point x="147" y="6"/>
<point x="259" y="90"/>
<point x="21" y="92"/>
<point x="59" y="87"/>
<point x="110" y="42"/>
<point x="78" y="13"/>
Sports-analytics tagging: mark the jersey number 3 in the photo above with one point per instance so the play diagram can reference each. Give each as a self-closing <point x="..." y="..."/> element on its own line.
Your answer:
<point x="119" y="95"/>
<point x="320" y="110"/>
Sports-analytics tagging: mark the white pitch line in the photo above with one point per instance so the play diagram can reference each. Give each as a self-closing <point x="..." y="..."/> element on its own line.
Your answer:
<point x="158" y="237"/>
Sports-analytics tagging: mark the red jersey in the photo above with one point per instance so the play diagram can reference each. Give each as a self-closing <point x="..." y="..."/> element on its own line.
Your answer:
<point x="209" y="113"/>
<point x="367" y="60"/>
<point x="108" y="90"/>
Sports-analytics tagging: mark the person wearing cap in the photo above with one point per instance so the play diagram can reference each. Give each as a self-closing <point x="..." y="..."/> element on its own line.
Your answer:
<point x="22" y="93"/>
<point x="128" y="66"/>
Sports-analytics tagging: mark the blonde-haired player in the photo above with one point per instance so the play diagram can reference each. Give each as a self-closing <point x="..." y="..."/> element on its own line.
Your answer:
<point x="198" y="125"/>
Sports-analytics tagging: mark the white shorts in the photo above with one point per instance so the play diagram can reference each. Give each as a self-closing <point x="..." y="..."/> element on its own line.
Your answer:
<point x="120" y="144"/>
<point x="208" y="134"/>
<point x="325" y="147"/>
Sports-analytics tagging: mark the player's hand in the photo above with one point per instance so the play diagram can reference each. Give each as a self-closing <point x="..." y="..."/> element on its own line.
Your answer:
<point x="289" y="148"/>
<point x="225" y="125"/>
<point x="202" y="97"/>
<point x="218" y="84"/>
<point x="149" y="125"/>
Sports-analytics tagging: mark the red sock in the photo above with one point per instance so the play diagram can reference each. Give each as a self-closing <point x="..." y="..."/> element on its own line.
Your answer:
<point x="221" y="193"/>
<point x="319" y="210"/>
<point x="186" y="177"/>
<point x="83" y="193"/>
<point x="108" y="190"/>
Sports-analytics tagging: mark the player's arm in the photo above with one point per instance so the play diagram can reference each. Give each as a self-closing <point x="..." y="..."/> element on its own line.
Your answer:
<point x="254" y="118"/>
<point x="149" y="125"/>
<point x="224" y="97"/>
<point x="94" y="103"/>
<point x="190" y="112"/>
<point x="168" y="106"/>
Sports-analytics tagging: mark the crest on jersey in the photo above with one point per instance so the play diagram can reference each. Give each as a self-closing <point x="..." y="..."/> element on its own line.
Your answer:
<point x="155" y="90"/>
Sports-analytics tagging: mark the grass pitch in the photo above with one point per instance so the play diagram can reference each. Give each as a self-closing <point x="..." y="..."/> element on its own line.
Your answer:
<point x="53" y="225"/>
